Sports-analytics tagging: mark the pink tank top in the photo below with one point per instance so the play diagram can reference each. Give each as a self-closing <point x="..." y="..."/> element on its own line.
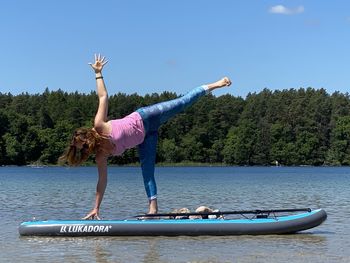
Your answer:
<point x="127" y="132"/>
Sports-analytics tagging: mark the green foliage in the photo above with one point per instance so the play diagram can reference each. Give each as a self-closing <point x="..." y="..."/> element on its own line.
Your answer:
<point x="241" y="144"/>
<point x="293" y="127"/>
<point x="169" y="151"/>
<point x="339" y="152"/>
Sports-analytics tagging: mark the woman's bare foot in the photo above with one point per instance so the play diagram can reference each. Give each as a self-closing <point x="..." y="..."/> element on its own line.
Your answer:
<point x="153" y="209"/>
<point x="153" y="206"/>
<point x="219" y="84"/>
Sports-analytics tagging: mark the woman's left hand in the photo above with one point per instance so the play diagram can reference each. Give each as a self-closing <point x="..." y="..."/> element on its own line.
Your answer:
<point x="93" y="215"/>
<point x="99" y="63"/>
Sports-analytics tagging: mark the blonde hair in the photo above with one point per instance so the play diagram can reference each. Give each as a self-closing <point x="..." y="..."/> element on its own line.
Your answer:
<point x="74" y="156"/>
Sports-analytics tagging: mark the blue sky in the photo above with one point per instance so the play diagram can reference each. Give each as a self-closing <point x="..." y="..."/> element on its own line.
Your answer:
<point x="155" y="46"/>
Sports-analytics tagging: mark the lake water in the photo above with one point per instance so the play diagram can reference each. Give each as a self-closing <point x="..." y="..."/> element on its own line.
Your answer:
<point x="68" y="193"/>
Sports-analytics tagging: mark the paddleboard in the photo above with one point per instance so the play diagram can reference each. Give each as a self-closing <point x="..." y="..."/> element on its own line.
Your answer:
<point x="261" y="224"/>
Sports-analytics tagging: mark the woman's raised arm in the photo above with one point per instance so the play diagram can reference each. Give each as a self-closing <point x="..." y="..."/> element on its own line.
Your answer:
<point x="100" y="122"/>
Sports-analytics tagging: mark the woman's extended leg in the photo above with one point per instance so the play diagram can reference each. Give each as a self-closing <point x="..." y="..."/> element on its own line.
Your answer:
<point x="155" y="115"/>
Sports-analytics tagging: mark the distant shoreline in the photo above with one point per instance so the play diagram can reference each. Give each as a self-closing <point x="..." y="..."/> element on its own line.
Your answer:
<point x="181" y="164"/>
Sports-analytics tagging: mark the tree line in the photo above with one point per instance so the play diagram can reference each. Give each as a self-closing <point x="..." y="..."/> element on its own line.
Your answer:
<point x="288" y="127"/>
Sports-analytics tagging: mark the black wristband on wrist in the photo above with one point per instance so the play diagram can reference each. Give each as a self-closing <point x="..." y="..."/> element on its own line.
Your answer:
<point x="100" y="77"/>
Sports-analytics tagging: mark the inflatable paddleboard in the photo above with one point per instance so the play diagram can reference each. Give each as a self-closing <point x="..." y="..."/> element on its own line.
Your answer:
<point x="259" y="224"/>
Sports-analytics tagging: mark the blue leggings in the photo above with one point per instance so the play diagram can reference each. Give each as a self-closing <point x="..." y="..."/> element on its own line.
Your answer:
<point x="153" y="116"/>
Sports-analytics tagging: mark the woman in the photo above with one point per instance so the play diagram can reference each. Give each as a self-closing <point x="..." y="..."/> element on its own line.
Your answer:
<point x="113" y="137"/>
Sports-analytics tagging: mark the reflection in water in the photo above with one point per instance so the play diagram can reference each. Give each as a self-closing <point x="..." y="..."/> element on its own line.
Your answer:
<point x="103" y="255"/>
<point x="152" y="255"/>
<point x="178" y="249"/>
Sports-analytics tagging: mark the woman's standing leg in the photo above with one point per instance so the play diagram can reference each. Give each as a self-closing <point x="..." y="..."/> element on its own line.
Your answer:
<point x="147" y="154"/>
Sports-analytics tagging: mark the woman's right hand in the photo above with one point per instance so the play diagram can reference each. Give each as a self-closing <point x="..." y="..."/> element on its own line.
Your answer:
<point x="93" y="215"/>
<point x="99" y="63"/>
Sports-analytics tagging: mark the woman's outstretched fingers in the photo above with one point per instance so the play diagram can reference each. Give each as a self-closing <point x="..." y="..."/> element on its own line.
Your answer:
<point x="99" y="63"/>
<point x="103" y="61"/>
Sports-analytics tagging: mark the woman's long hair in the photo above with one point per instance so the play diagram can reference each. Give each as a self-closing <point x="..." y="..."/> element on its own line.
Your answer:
<point x="90" y="140"/>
